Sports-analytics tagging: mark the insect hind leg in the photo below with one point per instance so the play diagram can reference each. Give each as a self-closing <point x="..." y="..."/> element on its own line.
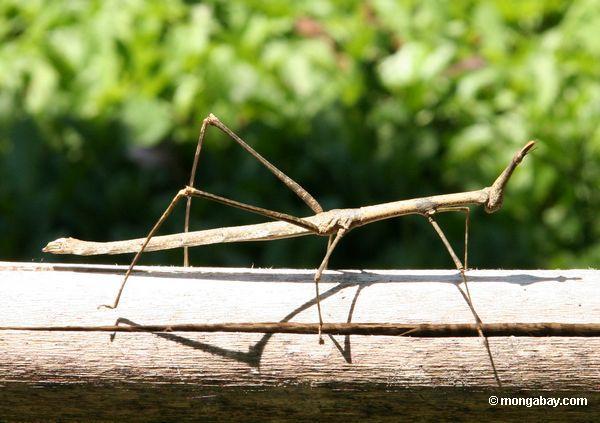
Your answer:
<point x="190" y="192"/>
<point x="212" y="120"/>
<point x="181" y="194"/>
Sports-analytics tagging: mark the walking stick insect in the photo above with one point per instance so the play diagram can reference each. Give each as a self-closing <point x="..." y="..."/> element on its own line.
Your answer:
<point x="334" y="224"/>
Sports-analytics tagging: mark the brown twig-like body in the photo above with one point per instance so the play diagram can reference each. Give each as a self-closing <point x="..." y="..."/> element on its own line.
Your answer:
<point x="490" y="198"/>
<point x="333" y="224"/>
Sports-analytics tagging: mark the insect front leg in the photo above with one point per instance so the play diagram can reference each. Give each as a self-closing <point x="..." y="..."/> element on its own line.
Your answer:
<point x="459" y="265"/>
<point x="462" y="269"/>
<point x="467" y="212"/>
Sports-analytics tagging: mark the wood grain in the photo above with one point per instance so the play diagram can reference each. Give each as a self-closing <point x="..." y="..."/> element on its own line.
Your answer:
<point x="57" y="294"/>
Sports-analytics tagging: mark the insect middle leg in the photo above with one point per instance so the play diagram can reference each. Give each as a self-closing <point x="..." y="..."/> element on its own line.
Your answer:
<point x="212" y="120"/>
<point x="331" y="244"/>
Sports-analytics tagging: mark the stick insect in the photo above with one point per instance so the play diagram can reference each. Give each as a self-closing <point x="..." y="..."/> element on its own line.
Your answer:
<point x="333" y="224"/>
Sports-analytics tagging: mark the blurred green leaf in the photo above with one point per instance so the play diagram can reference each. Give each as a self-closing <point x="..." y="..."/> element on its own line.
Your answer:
<point x="403" y="67"/>
<point x="146" y="120"/>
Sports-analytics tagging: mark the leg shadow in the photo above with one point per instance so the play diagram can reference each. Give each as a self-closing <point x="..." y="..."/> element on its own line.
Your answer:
<point x="255" y="352"/>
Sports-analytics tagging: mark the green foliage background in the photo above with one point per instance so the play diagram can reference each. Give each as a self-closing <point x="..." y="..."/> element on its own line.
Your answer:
<point x="361" y="102"/>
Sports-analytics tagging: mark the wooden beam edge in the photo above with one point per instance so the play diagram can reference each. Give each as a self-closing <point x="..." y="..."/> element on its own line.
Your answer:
<point x="374" y="329"/>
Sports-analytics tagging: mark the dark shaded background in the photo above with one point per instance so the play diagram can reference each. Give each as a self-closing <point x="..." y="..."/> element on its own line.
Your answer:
<point x="361" y="102"/>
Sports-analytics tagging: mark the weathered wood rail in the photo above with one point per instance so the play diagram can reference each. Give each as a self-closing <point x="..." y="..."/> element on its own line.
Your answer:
<point x="36" y="295"/>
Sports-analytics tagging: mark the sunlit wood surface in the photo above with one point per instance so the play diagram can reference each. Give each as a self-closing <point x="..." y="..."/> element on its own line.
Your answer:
<point x="61" y="294"/>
